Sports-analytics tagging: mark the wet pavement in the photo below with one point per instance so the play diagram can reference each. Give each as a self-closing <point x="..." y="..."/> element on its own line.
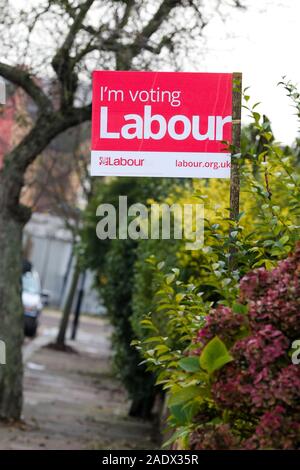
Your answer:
<point x="72" y="400"/>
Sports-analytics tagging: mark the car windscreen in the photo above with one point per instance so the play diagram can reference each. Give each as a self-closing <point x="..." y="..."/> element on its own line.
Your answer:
<point x="30" y="283"/>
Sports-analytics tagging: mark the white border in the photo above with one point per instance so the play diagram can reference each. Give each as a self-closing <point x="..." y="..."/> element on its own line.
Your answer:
<point x="161" y="164"/>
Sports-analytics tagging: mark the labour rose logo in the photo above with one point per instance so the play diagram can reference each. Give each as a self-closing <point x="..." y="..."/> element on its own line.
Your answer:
<point x="103" y="161"/>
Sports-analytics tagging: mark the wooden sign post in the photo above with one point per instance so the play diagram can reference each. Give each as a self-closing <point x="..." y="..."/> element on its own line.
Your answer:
<point x="236" y="145"/>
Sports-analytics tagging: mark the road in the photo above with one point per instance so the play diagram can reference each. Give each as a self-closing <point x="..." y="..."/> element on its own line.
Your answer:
<point x="72" y="400"/>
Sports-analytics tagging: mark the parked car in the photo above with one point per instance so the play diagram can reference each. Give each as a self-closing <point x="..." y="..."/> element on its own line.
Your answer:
<point x="32" y="301"/>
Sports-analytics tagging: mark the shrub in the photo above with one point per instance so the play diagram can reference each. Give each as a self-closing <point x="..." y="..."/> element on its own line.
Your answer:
<point x="113" y="262"/>
<point x="260" y="385"/>
<point x="219" y="343"/>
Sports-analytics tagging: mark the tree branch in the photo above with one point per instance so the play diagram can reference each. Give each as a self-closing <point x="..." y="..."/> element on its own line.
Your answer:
<point x="126" y="15"/>
<point x="127" y="53"/>
<point x="62" y="62"/>
<point x="23" y="79"/>
<point x="17" y="161"/>
<point x="154" y="24"/>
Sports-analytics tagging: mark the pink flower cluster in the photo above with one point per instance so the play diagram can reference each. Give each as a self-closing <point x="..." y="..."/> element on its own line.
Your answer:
<point x="277" y="429"/>
<point x="274" y="296"/>
<point x="223" y="323"/>
<point x="211" y="437"/>
<point x="246" y="381"/>
<point x="261" y="386"/>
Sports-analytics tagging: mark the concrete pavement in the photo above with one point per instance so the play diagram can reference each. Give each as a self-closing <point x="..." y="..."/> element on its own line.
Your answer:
<point x="72" y="400"/>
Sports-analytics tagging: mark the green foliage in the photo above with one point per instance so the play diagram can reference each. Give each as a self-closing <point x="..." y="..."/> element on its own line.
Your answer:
<point x="143" y="300"/>
<point x="117" y="293"/>
<point x="159" y="307"/>
<point x="264" y="233"/>
<point x="113" y="262"/>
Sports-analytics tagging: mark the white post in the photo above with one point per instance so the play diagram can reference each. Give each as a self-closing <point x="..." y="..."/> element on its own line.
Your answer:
<point x="2" y="91"/>
<point x="2" y="352"/>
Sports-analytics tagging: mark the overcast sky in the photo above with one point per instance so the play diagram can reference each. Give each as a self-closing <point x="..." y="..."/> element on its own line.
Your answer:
<point x="264" y="44"/>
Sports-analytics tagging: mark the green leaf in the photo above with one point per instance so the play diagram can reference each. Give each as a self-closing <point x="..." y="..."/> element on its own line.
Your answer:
<point x="182" y="433"/>
<point x="160" y="265"/>
<point x="164" y="306"/>
<point x="183" y="414"/>
<point x="234" y="233"/>
<point x="190" y="364"/>
<point x="256" y="116"/>
<point x="240" y="308"/>
<point x="214" y="356"/>
<point x="268" y="264"/>
<point x="162" y="348"/>
<point x="179" y="297"/>
<point x="183" y="395"/>
<point x="166" y="357"/>
<point x="153" y="339"/>
<point x="283" y="240"/>
<point x="170" y="278"/>
<point x="255" y="105"/>
<point x="147" y="324"/>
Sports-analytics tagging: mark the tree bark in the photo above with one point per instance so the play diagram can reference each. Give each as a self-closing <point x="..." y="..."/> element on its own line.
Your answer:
<point x="61" y="337"/>
<point x="11" y="315"/>
<point x="235" y="165"/>
<point x="13" y="217"/>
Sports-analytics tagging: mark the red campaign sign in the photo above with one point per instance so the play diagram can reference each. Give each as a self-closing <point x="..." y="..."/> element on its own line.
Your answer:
<point x="161" y="124"/>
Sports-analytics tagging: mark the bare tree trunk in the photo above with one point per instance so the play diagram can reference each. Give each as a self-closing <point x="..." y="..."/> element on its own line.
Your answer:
<point x="11" y="315"/>
<point x="13" y="217"/>
<point x="60" y="340"/>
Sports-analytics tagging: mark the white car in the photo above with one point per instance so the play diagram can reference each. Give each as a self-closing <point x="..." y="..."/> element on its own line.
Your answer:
<point x="32" y="301"/>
